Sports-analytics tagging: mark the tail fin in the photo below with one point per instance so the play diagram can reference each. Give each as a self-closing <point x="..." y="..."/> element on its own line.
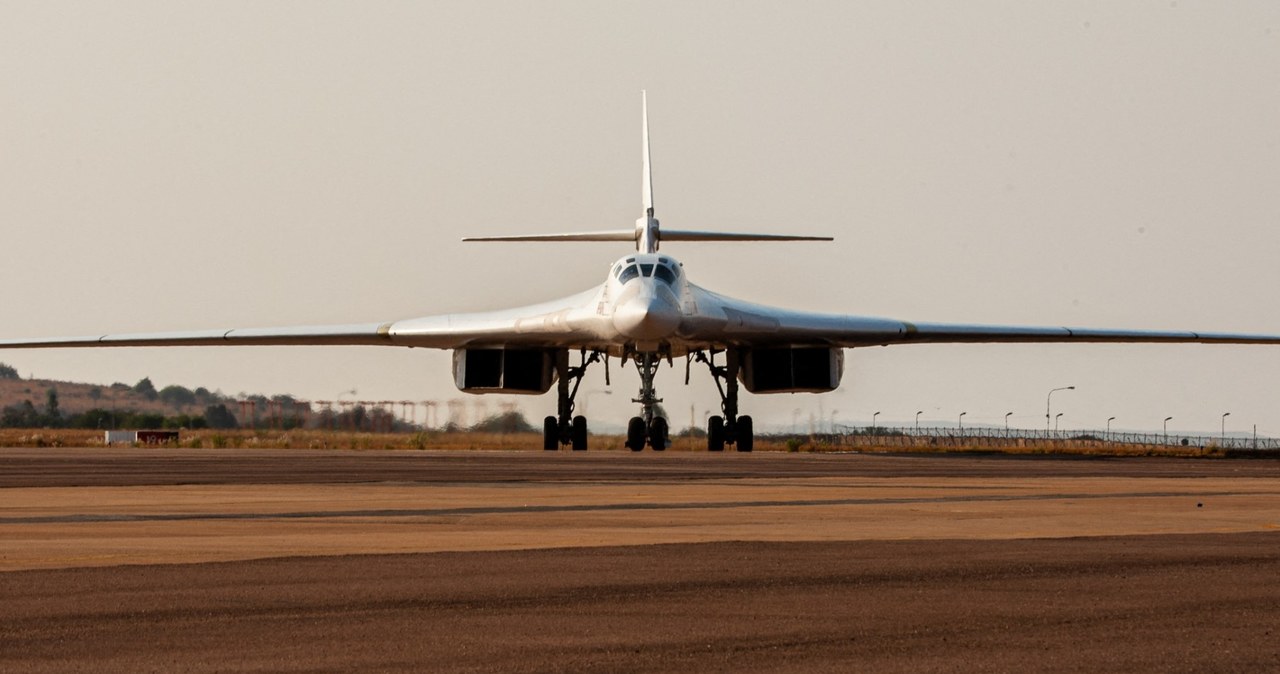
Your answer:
<point x="647" y="234"/>
<point x="647" y="187"/>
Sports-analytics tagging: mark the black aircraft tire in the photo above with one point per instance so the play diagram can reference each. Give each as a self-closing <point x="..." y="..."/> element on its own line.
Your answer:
<point x="715" y="434"/>
<point x="579" y="434"/>
<point x="746" y="439"/>
<point x="635" y="434"/>
<point x="550" y="434"/>
<point x="658" y="434"/>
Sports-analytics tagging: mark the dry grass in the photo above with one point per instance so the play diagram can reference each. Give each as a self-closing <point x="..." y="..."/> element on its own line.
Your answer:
<point x="322" y="439"/>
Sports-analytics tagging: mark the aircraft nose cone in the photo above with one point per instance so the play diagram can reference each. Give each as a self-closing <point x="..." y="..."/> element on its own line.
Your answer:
<point x="646" y="318"/>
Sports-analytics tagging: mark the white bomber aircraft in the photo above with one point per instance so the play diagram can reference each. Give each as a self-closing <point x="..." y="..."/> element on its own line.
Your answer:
<point x="646" y="311"/>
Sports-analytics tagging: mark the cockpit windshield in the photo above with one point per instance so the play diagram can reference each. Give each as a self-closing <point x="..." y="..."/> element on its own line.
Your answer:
<point x="665" y="273"/>
<point x="665" y="270"/>
<point x="627" y="273"/>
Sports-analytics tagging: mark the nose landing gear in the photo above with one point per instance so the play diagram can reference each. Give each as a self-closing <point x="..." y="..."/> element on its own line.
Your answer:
<point x="648" y="428"/>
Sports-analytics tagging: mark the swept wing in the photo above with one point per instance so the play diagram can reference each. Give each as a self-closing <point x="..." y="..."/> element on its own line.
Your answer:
<point x="746" y="324"/>
<point x="556" y="323"/>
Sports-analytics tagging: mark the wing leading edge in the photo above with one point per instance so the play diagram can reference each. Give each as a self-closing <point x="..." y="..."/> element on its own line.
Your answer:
<point x="958" y="333"/>
<point x="322" y="335"/>
<point x="563" y="322"/>
<point x="746" y="324"/>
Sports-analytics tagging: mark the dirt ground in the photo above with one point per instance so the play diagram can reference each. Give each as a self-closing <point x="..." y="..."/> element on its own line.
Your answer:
<point x="203" y="560"/>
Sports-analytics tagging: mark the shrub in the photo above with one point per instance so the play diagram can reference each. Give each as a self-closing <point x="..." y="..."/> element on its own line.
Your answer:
<point x="146" y="388"/>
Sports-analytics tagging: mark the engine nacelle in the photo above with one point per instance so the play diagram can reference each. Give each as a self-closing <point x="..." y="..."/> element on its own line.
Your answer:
<point x="800" y="369"/>
<point x="518" y="371"/>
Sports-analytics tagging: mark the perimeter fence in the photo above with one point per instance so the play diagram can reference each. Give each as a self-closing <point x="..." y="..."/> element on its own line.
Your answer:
<point x="889" y="436"/>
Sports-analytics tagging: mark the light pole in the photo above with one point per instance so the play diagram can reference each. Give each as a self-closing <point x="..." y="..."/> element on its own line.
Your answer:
<point x="873" y="422"/>
<point x="960" y="423"/>
<point x="1055" y="422"/>
<point x="1006" y="421"/>
<point x="833" y="421"/>
<point x="1109" y="420"/>
<point x="1048" y="399"/>
<point x="918" y="421"/>
<point x="1224" y="425"/>
<point x="1166" y="429"/>
<point x="353" y="393"/>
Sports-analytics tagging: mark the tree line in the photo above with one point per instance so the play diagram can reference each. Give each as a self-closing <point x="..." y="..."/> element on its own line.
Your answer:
<point x="27" y="415"/>
<point x="282" y="412"/>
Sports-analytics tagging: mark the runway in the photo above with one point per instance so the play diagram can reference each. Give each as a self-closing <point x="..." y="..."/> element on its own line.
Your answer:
<point x="290" y="560"/>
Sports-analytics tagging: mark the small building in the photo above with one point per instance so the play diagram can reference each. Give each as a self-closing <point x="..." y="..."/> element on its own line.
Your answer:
<point x="140" y="437"/>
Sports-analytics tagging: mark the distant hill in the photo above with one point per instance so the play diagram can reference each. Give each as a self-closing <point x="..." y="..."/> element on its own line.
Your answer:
<point x="76" y="398"/>
<point x="24" y="403"/>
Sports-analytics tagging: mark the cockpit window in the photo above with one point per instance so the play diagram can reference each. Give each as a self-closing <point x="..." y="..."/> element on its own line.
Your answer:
<point x="664" y="268"/>
<point x="664" y="272"/>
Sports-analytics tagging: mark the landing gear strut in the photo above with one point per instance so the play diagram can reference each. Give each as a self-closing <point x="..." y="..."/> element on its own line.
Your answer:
<point x="564" y="428"/>
<point x="647" y="428"/>
<point x="729" y="429"/>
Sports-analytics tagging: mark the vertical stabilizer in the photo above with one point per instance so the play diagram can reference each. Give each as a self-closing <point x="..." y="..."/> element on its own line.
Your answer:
<point x="648" y="166"/>
<point x="647" y="226"/>
<point x="647" y="234"/>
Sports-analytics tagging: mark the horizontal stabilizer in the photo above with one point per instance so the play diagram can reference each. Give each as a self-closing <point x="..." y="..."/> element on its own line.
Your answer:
<point x="681" y="235"/>
<point x="613" y="235"/>
<point x="663" y="235"/>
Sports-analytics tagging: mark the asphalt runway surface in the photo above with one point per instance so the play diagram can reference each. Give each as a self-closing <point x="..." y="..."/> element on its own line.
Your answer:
<point x="238" y="560"/>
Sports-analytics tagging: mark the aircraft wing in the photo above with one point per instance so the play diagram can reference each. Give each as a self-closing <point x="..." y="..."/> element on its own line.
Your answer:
<point x="366" y="333"/>
<point x="961" y="333"/>
<point x="564" y="322"/>
<point x="745" y="323"/>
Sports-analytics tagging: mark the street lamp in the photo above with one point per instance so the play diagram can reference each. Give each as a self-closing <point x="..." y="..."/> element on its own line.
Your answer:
<point x="961" y="421"/>
<point x="918" y="420"/>
<point x="1055" y="422"/>
<point x="1006" y="421"/>
<point x="873" y="422"/>
<point x="1109" y="420"/>
<point x="1166" y="429"/>
<point x="1049" y="398"/>
<point x="1224" y="425"/>
<point x="353" y="393"/>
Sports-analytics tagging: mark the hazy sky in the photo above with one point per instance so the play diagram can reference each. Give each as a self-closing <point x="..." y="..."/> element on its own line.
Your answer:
<point x="172" y="165"/>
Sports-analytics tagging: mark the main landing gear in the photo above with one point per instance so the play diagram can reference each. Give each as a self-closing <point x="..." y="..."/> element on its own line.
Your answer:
<point x="729" y="429"/>
<point x="648" y="429"/>
<point x="564" y="428"/>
